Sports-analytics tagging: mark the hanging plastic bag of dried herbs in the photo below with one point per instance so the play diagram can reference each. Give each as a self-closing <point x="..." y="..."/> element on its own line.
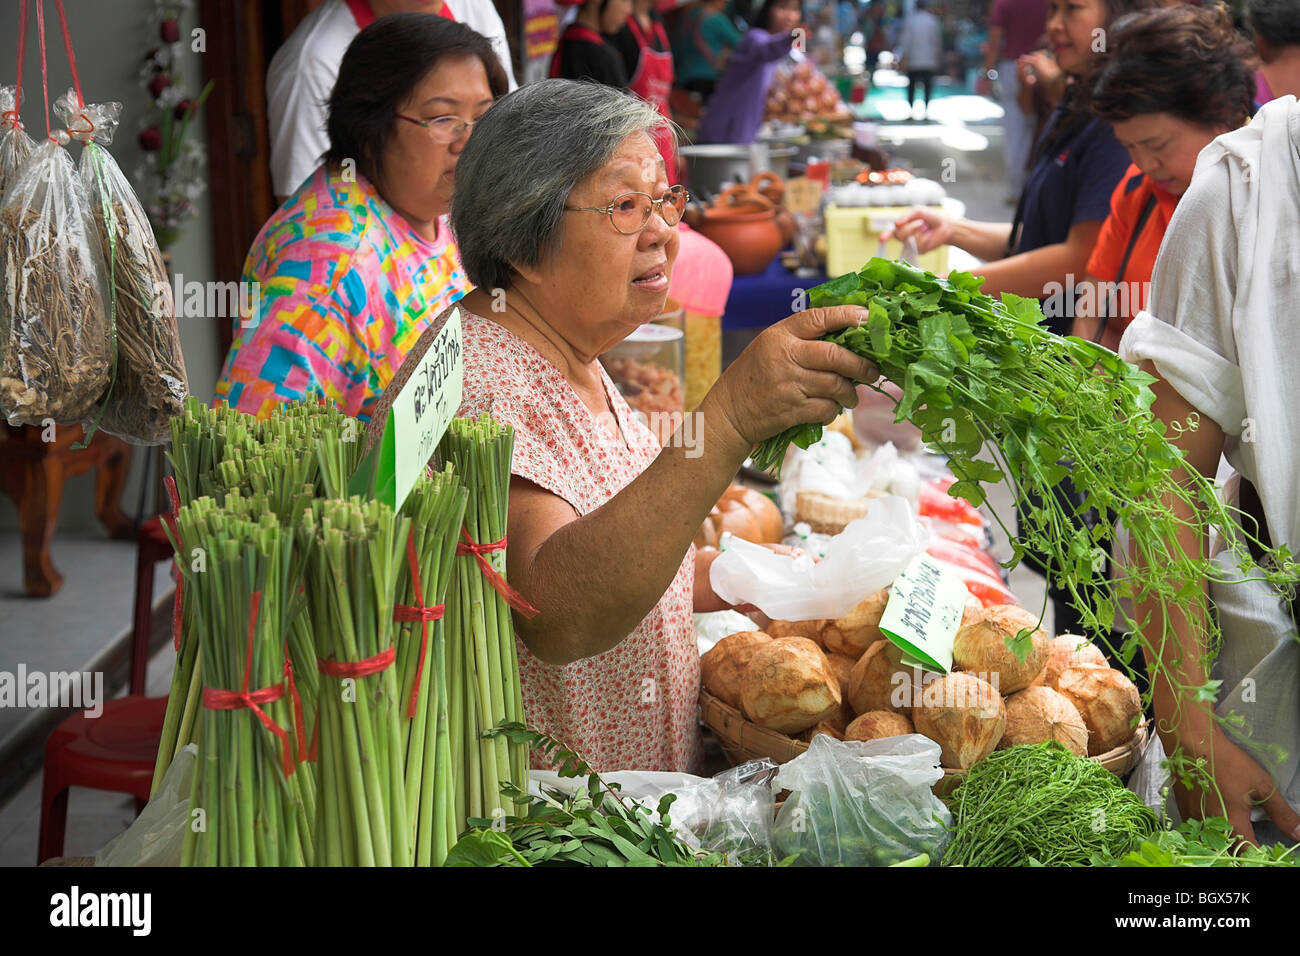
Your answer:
<point x="150" y="384"/>
<point x="54" y="330"/>
<point x="15" y="145"/>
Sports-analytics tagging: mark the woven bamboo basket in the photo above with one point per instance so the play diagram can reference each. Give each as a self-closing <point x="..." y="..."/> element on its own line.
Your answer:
<point x="743" y="740"/>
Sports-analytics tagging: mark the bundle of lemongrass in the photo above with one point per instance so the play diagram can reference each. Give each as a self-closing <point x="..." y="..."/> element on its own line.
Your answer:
<point x="355" y="550"/>
<point x="250" y="805"/>
<point x="482" y="666"/>
<point x="436" y="508"/>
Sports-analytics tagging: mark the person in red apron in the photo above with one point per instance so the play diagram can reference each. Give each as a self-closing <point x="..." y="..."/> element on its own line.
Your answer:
<point x="648" y="59"/>
<point x="584" y="52"/>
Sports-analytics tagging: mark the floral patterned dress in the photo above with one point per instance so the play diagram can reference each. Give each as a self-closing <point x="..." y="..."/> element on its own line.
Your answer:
<point x="634" y="707"/>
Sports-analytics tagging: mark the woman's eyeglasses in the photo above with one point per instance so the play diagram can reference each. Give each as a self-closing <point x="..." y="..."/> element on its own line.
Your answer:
<point x="630" y="212"/>
<point x="443" y="129"/>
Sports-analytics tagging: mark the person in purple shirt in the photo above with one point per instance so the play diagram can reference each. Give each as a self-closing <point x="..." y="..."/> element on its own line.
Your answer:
<point x="1276" y="25"/>
<point x="1015" y="28"/>
<point x="735" y="111"/>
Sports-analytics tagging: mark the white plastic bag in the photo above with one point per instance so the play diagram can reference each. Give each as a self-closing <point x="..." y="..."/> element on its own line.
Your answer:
<point x="158" y="833"/>
<point x="862" y="804"/>
<point x="715" y="625"/>
<point x="865" y="557"/>
<point x="730" y="814"/>
<point x="15" y="145"/>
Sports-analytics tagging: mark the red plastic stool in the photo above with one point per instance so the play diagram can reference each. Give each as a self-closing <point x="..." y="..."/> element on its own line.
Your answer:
<point x="117" y="750"/>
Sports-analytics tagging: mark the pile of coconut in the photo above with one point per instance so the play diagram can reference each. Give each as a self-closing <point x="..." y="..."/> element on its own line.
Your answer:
<point x="845" y="679"/>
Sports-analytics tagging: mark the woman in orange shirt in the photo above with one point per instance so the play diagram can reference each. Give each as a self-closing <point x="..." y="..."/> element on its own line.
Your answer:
<point x="1177" y="77"/>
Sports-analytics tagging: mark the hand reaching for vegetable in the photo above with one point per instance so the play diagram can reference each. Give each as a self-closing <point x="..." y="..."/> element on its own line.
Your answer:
<point x="1243" y="785"/>
<point x="787" y="377"/>
<point x="928" y="227"/>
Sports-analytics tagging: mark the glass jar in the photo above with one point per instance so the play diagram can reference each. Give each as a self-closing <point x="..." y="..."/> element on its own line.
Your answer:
<point x="648" y="368"/>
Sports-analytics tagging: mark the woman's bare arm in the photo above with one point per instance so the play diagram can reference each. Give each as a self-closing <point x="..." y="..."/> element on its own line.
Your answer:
<point x="1033" y="273"/>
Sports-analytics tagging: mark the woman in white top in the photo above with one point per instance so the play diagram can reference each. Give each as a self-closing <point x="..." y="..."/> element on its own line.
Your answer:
<point x="1220" y="332"/>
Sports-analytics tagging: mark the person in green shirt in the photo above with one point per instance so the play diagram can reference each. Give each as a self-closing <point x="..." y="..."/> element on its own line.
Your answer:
<point x="701" y="43"/>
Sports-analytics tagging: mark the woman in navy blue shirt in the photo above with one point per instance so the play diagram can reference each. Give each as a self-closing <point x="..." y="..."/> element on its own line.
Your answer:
<point x="1074" y="168"/>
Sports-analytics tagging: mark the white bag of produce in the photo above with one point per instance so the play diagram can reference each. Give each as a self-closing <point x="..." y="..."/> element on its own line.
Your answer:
<point x="862" y="804"/>
<point x="158" y="833"/>
<point x="865" y="557"/>
<point x="730" y="814"/>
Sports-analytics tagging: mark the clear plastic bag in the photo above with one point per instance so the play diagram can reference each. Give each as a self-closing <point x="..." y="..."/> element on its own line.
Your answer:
<point x="158" y="833"/>
<point x="862" y="804"/>
<point x="149" y="384"/>
<point x="15" y="145"/>
<point x="865" y="557"/>
<point x="54" y="335"/>
<point x="730" y="814"/>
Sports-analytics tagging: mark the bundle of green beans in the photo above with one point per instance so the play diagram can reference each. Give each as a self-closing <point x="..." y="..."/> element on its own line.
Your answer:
<point x="256" y="808"/>
<point x="303" y="451"/>
<point x="1042" y="805"/>
<point x="436" y="508"/>
<point x="482" y="666"/>
<point x="355" y="549"/>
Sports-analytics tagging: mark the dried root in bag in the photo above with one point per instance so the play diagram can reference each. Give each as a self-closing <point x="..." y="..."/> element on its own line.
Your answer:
<point x="15" y="145"/>
<point x="151" y="384"/>
<point x="55" y="354"/>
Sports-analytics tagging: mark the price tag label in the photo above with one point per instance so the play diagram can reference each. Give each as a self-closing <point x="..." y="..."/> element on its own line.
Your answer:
<point x="802" y="195"/>
<point x="416" y="419"/>
<point x="924" y="614"/>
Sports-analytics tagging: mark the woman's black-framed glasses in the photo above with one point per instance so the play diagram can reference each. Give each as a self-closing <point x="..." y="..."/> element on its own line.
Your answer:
<point x="630" y="212"/>
<point x="443" y="129"/>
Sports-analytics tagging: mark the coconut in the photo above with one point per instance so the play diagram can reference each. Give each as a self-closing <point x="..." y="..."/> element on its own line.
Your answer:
<point x="963" y="715"/>
<point x="1069" y="650"/>
<point x="880" y="681"/>
<point x="875" y="724"/>
<point x="980" y="648"/>
<point x="856" y="631"/>
<point x="789" y="686"/>
<point x="722" y="667"/>
<point x="812" y="630"/>
<point x="1107" y="701"/>
<point x="1039" y="714"/>
<point x="823" y="727"/>
<point x="842" y="667"/>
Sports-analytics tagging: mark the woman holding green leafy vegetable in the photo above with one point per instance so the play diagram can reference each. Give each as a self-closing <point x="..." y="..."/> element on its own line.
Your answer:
<point x="565" y="223"/>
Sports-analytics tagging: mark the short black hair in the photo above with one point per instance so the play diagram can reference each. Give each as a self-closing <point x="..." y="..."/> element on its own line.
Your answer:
<point x="762" y="21"/>
<point x="1182" y="60"/>
<point x="383" y="65"/>
<point x="1277" y="21"/>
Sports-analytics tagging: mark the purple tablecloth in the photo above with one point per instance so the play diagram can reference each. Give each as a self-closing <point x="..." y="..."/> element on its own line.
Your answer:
<point x="759" y="300"/>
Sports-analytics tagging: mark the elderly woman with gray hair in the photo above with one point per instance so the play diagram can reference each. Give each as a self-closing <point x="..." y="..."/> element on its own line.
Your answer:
<point x="566" y="225"/>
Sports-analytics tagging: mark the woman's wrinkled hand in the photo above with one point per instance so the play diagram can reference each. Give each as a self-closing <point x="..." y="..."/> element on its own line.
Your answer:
<point x="788" y="377"/>
<point x="930" y="228"/>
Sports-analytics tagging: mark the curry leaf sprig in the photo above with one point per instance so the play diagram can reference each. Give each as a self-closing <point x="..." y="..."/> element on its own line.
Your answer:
<point x="979" y="373"/>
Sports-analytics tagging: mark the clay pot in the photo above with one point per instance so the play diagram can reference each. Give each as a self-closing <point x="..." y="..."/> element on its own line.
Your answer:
<point x="744" y="224"/>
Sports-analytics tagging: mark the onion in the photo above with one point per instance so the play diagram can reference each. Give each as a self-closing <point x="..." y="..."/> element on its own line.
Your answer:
<point x="1107" y="701"/>
<point x="980" y="647"/>
<point x="1039" y="714"/>
<point x="963" y="715"/>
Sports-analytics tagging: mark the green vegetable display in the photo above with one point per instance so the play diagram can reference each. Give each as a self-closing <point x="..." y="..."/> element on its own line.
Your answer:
<point x="596" y="826"/>
<point x="1209" y="842"/>
<point x="1041" y="805"/>
<point x="980" y="373"/>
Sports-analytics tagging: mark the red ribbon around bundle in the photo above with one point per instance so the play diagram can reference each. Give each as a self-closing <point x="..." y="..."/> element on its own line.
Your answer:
<point x="299" y="725"/>
<point x="72" y="60"/>
<point x="170" y="484"/>
<point x="218" y="699"/>
<point x="344" y="669"/>
<point x="421" y="613"/>
<point x="11" y="116"/>
<point x="512" y="597"/>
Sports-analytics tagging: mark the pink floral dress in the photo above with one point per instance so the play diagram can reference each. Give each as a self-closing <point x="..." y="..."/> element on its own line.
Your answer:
<point x="633" y="707"/>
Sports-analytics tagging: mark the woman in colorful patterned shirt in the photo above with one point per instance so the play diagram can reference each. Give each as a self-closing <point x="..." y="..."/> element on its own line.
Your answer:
<point x="563" y="202"/>
<point x="359" y="261"/>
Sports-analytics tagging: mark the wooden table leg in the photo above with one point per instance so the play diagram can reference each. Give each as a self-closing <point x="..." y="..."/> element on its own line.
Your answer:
<point x="38" y="515"/>
<point x="110" y="479"/>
